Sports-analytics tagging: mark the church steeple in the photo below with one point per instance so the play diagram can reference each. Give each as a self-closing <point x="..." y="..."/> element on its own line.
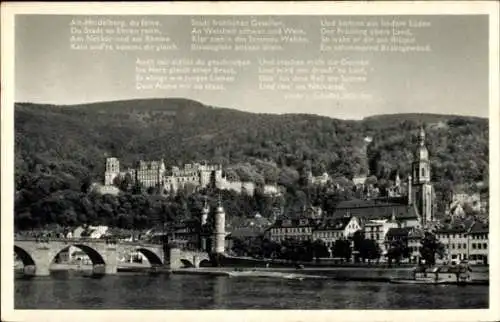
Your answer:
<point x="422" y="136"/>
<point x="421" y="192"/>
<point x="421" y="164"/>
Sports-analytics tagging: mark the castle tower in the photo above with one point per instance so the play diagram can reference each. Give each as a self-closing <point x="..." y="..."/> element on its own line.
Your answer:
<point x="220" y="229"/>
<point x="112" y="171"/>
<point x="205" y="175"/>
<point x="422" y="190"/>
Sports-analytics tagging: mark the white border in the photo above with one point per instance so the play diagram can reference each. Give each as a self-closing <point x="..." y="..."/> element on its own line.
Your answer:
<point x="258" y="8"/>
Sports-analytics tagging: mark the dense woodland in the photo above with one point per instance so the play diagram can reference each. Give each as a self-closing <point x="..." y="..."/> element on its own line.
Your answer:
<point x="61" y="150"/>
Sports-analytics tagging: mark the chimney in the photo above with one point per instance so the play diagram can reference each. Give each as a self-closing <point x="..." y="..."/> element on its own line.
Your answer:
<point x="410" y="201"/>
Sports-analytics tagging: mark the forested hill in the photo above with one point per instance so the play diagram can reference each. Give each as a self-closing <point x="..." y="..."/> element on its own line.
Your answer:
<point x="74" y="140"/>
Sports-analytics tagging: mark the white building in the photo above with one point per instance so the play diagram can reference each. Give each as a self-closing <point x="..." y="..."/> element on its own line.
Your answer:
<point x="334" y="229"/>
<point x="377" y="230"/>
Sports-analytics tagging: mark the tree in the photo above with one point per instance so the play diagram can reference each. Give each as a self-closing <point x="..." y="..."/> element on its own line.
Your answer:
<point x="398" y="249"/>
<point x="430" y="247"/>
<point x="320" y="249"/>
<point x="342" y="249"/>
<point x="370" y="250"/>
<point x="358" y="240"/>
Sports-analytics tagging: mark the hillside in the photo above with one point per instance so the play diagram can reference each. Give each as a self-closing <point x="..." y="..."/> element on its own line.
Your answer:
<point x="181" y="130"/>
<point x="69" y="143"/>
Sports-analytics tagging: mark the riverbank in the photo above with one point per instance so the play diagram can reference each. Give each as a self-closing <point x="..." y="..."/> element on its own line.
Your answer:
<point x="337" y="273"/>
<point x="346" y="273"/>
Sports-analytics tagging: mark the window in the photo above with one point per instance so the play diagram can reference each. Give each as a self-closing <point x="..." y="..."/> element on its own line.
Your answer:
<point x="485" y="246"/>
<point x="465" y="246"/>
<point x="479" y="246"/>
<point x="459" y="246"/>
<point x="452" y="246"/>
<point x="473" y="245"/>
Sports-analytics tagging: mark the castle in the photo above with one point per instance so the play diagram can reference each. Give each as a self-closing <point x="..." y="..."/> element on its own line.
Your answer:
<point x="154" y="174"/>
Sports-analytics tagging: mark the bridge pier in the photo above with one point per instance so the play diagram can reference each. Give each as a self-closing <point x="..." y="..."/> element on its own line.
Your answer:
<point x="111" y="267"/>
<point x="36" y="270"/>
<point x="174" y="258"/>
<point x="42" y="258"/>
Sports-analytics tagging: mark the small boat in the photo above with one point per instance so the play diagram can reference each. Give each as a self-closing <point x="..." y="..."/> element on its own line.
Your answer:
<point x="439" y="275"/>
<point x="419" y="281"/>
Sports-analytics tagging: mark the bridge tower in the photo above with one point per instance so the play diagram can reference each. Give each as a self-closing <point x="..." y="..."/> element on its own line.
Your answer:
<point x="220" y="229"/>
<point x="204" y="213"/>
<point x="204" y="229"/>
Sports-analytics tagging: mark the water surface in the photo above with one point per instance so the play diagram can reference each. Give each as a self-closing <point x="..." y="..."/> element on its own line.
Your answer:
<point x="66" y="290"/>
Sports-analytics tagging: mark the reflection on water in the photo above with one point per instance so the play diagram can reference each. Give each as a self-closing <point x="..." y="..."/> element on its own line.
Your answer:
<point x="66" y="290"/>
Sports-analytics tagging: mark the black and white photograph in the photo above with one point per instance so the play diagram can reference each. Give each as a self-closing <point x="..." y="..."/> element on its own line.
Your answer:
<point x="299" y="159"/>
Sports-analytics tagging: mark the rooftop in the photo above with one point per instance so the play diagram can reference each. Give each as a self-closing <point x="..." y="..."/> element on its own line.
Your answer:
<point x="479" y="228"/>
<point x="335" y="224"/>
<point x="399" y="232"/>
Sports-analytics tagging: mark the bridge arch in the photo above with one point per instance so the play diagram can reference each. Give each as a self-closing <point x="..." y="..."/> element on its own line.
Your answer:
<point x="94" y="255"/>
<point x="24" y="256"/>
<point x="187" y="263"/>
<point x="152" y="257"/>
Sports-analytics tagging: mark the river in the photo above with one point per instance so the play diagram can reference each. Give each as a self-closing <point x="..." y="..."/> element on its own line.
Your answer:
<point x="69" y="290"/>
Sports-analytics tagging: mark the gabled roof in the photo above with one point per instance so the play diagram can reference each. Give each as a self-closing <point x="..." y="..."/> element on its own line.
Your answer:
<point x="335" y="224"/>
<point x="376" y="202"/>
<point x="374" y="209"/>
<point x="479" y="228"/>
<point x="295" y="222"/>
<point x="247" y="232"/>
<point x="398" y="232"/>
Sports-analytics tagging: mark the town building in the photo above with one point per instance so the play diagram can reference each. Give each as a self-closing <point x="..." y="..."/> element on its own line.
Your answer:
<point x="333" y="229"/>
<point x="298" y="229"/>
<point x="377" y="230"/>
<point x="320" y="180"/>
<point x="359" y="181"/>
<point x="455" y="242"/>
<point x="478" y="243"/>
<point x="410" y="237"/>
<point x="465" y="242"/>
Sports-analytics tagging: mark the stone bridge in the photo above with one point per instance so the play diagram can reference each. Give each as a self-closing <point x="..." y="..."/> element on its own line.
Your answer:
<point x="38" y="255"/>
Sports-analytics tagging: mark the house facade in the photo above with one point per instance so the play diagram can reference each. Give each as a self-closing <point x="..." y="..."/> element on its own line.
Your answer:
<point x="331" y="230"/>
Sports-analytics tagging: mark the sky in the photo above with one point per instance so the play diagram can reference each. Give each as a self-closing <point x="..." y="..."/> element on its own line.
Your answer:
<point x="450" y="79"/>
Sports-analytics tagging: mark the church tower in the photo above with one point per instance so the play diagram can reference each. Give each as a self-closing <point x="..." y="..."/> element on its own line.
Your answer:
<point x="422" y="190"/>
<point x="220" y="229"/>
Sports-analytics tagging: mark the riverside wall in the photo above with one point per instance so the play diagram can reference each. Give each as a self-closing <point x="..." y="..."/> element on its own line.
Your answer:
<point x="340" y="271"/>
